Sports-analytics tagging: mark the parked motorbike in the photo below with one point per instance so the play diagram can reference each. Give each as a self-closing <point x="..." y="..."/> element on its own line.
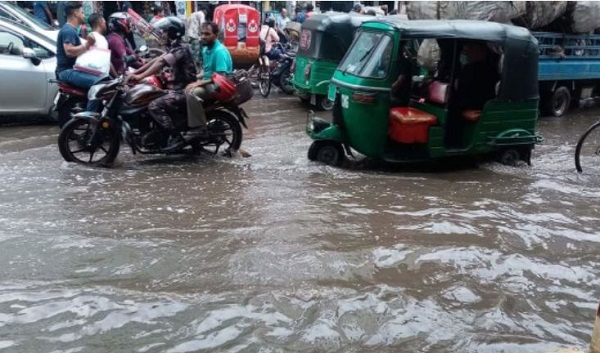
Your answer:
<point x="72" y="100"/>
<point x="95" y="139"/>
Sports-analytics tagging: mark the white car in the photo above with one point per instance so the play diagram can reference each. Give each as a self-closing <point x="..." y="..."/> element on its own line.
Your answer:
<point x="27" y="62"/>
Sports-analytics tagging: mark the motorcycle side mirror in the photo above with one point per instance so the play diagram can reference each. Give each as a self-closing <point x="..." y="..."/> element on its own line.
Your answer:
<point x="28" y="53"/>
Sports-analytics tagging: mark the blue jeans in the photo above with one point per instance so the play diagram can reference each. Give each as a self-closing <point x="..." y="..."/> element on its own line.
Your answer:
<point x="274" y="54"/>
<point x="85" y="81"/>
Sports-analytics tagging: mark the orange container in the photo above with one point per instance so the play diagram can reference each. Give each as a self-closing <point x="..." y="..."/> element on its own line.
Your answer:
<point x="409" y="125"/>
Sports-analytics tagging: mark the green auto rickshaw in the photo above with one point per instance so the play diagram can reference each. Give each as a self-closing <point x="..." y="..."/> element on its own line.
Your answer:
<point x="324" y="40"/>
<point x="475" y="94"/>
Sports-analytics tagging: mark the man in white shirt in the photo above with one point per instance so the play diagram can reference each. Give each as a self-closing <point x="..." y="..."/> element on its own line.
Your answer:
<point x="193" y="33"/>
<point x="283" y="20"/>
<point x="98" y="24"/>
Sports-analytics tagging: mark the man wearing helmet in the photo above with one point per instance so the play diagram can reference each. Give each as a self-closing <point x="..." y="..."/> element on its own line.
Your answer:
<point x="215" y="59"/>
<point x="181" y="61"/>
<point x="121" y="55"/>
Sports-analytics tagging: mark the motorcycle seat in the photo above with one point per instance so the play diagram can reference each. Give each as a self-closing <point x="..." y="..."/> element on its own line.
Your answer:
<point x="69" y="88"/>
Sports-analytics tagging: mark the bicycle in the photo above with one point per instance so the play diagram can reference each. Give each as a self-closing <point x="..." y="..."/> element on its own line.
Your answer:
<point x="588" y="145"/>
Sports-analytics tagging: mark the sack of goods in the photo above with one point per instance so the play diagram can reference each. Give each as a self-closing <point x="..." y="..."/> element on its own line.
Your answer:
<point x="541" y="13"/>
<point x="499" y="11"/>
<point x="584" y="17"/>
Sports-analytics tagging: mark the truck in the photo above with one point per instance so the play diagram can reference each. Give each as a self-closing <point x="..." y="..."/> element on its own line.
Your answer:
<point x="568" y="70"/>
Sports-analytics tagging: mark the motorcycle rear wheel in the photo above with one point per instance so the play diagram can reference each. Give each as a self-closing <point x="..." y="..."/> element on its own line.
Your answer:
<point x="75" y="146"/>
<point x="225" y="134"/>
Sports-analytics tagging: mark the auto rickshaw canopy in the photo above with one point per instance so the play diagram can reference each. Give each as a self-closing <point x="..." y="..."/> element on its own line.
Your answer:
<point x="519" y="59"/>
<point x="334" y="32"/>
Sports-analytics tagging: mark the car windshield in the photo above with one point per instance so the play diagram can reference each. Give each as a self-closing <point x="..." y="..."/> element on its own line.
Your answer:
<point x="43" y="25"/>
<point x="369" y="56"/>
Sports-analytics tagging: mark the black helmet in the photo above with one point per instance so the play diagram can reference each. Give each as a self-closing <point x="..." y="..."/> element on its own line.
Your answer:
<point x="119" y="22"/>
<point x="173" y="26"/>
<point x="270" y="21"/>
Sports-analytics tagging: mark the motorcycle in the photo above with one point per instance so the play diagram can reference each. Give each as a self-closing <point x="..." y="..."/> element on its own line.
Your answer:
<point x="71" y="99"/>
<point x="281" y="75"/>
<point x="278" y="72"/>
<point x="95" y="138"/>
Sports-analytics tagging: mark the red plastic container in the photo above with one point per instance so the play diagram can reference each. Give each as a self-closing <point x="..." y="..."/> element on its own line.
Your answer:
<point x="409" y="125"/>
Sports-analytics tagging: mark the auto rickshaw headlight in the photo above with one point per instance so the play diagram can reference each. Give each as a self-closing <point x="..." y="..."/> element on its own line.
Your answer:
<point x="310" y="126"/>
<point x="315" y="124"/>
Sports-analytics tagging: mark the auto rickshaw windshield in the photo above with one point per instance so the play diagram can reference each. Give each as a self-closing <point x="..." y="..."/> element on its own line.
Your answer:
<point x="369" y="56"/>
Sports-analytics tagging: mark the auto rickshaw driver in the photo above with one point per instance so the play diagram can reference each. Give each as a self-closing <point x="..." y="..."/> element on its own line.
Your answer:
<point x="401" y="88"/>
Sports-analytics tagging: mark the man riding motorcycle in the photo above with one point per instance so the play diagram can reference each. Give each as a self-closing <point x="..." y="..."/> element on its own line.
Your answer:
<point x="215" y="59"/>
<point x="121" y="54"/>
<point x="181" y="61"/>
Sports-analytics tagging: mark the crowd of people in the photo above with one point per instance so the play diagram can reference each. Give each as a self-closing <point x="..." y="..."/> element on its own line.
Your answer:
<point x="186" y="88"/>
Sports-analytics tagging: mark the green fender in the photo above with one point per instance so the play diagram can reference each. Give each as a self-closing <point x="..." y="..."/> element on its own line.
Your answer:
<point x="515" y="137"/>
<point x="325" y="82"/>
<point x="332" y="133"/>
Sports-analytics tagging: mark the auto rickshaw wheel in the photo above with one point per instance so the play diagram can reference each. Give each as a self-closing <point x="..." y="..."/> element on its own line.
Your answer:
<point x="327" y="152"/>
<point x="509" y="156"/>
<point x="558" y="102"/>
<point x="324" y="103"/>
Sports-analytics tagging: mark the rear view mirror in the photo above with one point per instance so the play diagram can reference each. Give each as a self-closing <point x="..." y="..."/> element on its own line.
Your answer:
<point x="28" y="53"/>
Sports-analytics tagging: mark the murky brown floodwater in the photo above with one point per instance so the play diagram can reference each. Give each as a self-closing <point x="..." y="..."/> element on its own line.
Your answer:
<point x="274" y="253"/>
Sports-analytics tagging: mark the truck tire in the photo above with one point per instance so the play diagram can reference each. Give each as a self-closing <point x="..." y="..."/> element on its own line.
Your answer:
<point x="557" y="103"/>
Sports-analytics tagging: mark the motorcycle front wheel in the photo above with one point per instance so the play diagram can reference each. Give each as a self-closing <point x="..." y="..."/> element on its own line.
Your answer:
<point x="285" y="82"/>
<point x="70" y="107"/>
<point x="83" y="141"/>
<point x="264" y="81"/>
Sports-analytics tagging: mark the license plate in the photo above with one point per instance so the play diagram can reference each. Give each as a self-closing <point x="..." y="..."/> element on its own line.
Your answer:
<point x="331" y="93"/>
<point x="313" y="99"/>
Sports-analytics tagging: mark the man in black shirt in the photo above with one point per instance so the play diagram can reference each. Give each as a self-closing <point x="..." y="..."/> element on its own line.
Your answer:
<point x="476" y="85"/>
<point x="477" y="79"/>
<point x="69" y="47"/>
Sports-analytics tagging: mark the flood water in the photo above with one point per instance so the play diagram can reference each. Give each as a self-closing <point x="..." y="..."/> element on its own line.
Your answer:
<point x="273" y="253"/>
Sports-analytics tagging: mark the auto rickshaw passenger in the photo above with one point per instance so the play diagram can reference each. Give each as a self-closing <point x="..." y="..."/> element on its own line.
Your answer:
<point x="270" y="36"/>
<point x="477" y="79"/>
<point x="475" y="86"/>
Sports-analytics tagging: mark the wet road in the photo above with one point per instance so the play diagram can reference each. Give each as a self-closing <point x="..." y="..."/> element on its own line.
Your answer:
<point x="274" y="253"/>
